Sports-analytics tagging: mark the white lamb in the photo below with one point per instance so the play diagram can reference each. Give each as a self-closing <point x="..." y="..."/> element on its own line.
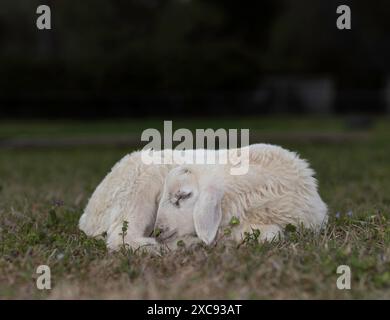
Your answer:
<point x="195" y="201"/>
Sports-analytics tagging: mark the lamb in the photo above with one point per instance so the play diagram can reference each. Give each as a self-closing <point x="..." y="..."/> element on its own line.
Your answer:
<point x="195" y="202"/>
<point x="130" y="192"/>
<point x="279" y="189"/>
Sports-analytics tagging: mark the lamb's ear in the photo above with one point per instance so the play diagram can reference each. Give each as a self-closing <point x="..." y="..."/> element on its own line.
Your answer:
<point x="208" y="213"/>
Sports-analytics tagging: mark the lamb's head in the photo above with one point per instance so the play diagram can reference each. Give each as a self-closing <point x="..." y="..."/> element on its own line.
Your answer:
<point x="190" y="205"/>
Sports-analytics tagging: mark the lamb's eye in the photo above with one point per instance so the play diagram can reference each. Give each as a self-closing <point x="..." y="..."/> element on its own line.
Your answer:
<point x="179" y="196"/>
<point x="183" y="196"/>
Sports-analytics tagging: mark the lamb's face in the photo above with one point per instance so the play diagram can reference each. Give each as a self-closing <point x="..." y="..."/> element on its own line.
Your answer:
<point x="175" y="212"/>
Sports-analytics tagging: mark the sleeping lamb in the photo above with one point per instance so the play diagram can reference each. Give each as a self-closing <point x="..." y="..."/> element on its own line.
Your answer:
<point x="194" y="202"/>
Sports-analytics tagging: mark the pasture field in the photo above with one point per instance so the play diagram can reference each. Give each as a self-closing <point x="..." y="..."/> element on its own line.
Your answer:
<point x="43" y="191"/>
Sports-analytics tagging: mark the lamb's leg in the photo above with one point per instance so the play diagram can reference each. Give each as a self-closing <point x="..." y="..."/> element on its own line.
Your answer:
<point x="133" y="227"/>
<point x="268" y="232"/>
<point x="137" y="211"/>
<point x="187" y="241"/>
<point x="114" y="243"/>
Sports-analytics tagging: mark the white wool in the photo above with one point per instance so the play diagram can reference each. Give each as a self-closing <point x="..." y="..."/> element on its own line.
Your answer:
<point x="279" y="189"/>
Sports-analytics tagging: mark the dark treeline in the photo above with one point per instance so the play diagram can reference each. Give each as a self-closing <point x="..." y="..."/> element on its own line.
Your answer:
<point x="145" y="57"/>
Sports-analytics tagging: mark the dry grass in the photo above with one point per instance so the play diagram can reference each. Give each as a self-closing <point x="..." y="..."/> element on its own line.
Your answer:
<point x="43" y="192"/>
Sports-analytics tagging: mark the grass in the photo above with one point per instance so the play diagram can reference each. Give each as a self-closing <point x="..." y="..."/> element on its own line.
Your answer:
<point x="69" y="128"/>
<point x="43" y="192"/>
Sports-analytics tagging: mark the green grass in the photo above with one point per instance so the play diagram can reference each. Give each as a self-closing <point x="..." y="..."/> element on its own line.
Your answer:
<point x="56" y="129"/>
<point x="43" y="192"/>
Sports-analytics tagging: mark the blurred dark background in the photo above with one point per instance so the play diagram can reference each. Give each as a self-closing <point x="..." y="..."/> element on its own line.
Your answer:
<point x="121" y="58"/>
